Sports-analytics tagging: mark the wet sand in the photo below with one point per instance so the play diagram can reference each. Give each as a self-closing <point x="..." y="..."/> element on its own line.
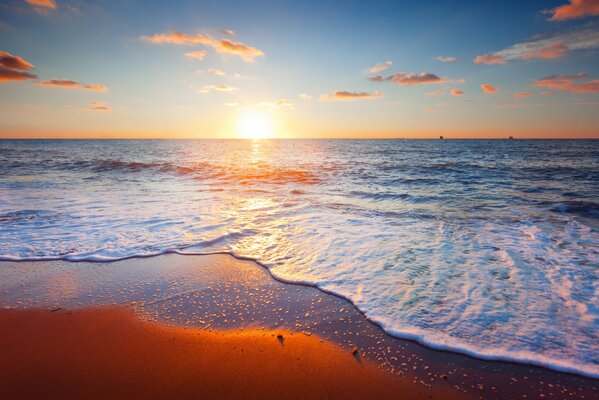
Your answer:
<point x="177" y="326"/>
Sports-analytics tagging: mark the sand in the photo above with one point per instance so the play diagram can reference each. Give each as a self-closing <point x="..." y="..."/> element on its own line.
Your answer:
<point x="176" y="326"/>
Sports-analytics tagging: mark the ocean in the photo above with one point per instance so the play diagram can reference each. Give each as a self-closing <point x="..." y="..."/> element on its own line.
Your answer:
<point x="484" y="247"/>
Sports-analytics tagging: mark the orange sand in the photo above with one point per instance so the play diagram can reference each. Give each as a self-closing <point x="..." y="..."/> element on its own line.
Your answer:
<point x="111" y="354"/>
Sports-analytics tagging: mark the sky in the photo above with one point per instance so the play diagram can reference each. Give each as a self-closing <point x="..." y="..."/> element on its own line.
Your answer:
<point x="299" y="69"/>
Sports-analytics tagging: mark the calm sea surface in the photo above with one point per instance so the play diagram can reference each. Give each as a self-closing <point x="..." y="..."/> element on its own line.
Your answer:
<point x="487" y="247"/>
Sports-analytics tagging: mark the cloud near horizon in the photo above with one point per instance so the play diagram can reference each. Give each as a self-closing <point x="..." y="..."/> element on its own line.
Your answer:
<point x="568" y="83"/>
<point x="223" y="46"/>
<point x="348" y="96"/>
<point x="14" y="68"/>
<point x="380" y="67"/>
<point x="574" y="9"/>
<point x="99" y="106"/>
<point x="215" y="72"/>
<point x="456" y="92"/>
<point x="488" y="88"/>
<point x="551" y="46"/>
<point x="70" y="84"/>
<point x="412" y="79"/>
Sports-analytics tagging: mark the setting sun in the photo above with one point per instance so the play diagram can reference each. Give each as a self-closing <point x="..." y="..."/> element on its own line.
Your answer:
<point x="255" y="125"/>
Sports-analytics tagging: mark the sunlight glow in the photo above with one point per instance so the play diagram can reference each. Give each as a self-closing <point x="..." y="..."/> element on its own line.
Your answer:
<point x="255" y="125"/>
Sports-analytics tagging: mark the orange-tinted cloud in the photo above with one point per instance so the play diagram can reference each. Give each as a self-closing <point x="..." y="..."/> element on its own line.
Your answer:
<point x="550" y="52"/>
<point x="522" y="95"/>
<point x="50" y="4"/>
<point x="488" y="88"/>
<point x="345" y="95"/>
<point x="218" y="88"/>
<point x="281" y="103"/>
<point x="14" y="68"/>
<point x="99" y="106"/>
<point x="242" y="50"/>
<point x="70" y="84"/>
<point x="575" y="9"/>
<point x="198" y="55"/>
<point x="446" y="59"/>
<point x="380" y="67"/>
<point x="8" y="75"/>
<point x="568" y="83"/>
<point x="177" y="38"/>
<point x="224" y="46"/>
<point x="216" y="72"/>
<point x="456" y="92"/>
<point x="489" y="59"/>
<point x="7" y="60"/>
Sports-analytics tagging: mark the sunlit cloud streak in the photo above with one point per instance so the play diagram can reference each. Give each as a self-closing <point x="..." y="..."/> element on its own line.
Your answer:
<point x="281" y="103"/>
<point x="305" y="96"/>
<point x="380" y="67"/>
<point x="228" y="32"/>
<point x="435" y="93"/>
<point x="198" y="55"/>
<point x="216" y="72"/>
<point x="456" y="92"/>
<point x="346" y="95"/>
<point x="223" y="46"/>
<point x="574" y="9"/>
<point x="569" y="83"/>
<point x="218" y="88"/>
<point x="41" y="5"/>
<point x="70" y="84"/>
<point x="546" y="47"/>
<point x="488" y="88"/>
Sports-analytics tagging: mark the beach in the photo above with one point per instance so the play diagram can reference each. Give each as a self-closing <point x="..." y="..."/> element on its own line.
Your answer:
<point x="218" y="327"/>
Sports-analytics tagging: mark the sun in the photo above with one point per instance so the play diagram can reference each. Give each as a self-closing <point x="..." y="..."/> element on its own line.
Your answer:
<point x="255" y="125"/>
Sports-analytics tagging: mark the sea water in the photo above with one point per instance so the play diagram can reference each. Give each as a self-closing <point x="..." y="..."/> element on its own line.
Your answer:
<point x="486" y="247"/>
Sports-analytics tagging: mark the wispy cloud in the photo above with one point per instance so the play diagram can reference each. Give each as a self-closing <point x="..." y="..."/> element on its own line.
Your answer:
<point x="70" y="84"/>
<point x="404" y="79"/>
<point x="489" y="59"/>
<point x="281" y="103"/>
<point x="488" y="88"/>
<point x="456" y="92"/>
<point x="305" y="96"/>
<point x="218" y="88"/>
<point x="198" y="55"/>
<point x="546" y="47"/>
<point x="227" y="32"/>
<point x="380" y="67"/>
<point x="99" y="106"/>
<point x="216" y="72"/>
<point x="345" y="95"/>
<point x="223" y="46"/>
<point x="521" y="95"/>
<point x="574" y="9"/>
<point x="446" y="59"/>
<point x="569" y="83"/>
<point x="14" y="68"/>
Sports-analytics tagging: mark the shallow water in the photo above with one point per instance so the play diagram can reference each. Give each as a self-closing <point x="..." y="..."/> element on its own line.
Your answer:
<point x="485" y="247"/>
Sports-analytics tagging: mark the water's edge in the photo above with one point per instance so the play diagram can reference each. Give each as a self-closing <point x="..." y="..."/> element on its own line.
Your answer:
<point x="525" y="359"/>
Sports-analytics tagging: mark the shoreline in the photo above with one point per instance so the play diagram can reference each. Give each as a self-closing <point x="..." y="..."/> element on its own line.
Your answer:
<point x="300" y="309"/>
<point x="415" y="338"/>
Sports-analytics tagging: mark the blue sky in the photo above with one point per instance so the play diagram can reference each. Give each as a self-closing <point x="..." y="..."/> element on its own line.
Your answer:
<point x="321" y="49"/>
